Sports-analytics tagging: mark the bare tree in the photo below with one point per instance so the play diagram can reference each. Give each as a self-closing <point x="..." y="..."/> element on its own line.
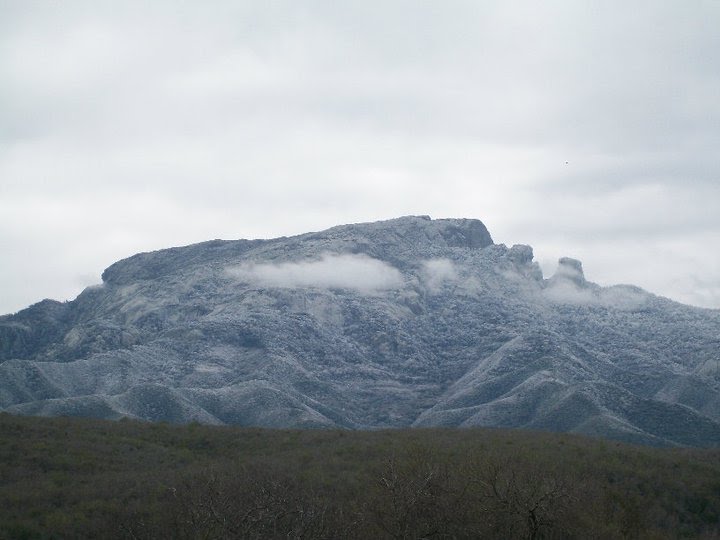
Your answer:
<point x="522" y="497"/>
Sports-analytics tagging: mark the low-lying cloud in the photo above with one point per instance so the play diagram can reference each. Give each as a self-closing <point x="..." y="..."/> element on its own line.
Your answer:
<point x="436" y="272"/>
<point x="566" y="292"/>
<point x="332" y="271"/>
<point x="619" y="297"/>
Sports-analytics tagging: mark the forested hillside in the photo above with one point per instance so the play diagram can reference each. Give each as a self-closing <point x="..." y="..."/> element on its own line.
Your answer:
<point x="80" y="478"/>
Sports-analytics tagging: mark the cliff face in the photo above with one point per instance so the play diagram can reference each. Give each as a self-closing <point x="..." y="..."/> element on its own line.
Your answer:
<point x="407" y="322"/>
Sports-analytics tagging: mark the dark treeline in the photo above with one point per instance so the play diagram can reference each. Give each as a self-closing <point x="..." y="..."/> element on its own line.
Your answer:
<point x="74" y="478"/>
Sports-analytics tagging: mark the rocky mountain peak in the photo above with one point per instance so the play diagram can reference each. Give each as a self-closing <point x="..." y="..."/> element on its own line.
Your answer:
<point x="520" y="254"/>
<point x="414" y="231"/>
<point x="570" y="269"/>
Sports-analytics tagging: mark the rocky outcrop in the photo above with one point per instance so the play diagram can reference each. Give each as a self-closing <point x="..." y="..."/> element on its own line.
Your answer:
<point x="570" y="269"/>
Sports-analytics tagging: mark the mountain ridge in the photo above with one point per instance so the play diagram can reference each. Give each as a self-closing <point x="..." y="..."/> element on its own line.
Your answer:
<point x="405" y="322"/>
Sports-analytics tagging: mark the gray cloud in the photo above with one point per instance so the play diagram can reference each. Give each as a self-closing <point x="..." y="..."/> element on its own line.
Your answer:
<point x="566" y="292"/>
<point x="332" y="271"/>
<point x="622" y="298"/>
<point x="131" y="126"/>
<point x="436" y="272"/>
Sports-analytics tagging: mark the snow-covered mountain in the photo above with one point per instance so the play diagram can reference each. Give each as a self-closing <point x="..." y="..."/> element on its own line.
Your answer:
<point x="407" y="322"/>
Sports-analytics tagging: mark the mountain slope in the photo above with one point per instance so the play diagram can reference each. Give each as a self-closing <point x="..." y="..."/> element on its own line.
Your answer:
<point x="407" y="322"/>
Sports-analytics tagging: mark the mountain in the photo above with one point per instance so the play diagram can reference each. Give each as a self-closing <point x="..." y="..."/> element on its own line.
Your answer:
<point x="406" y="322"/>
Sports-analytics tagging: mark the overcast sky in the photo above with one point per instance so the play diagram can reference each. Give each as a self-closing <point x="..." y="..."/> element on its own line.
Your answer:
<point x="133" y="126"/>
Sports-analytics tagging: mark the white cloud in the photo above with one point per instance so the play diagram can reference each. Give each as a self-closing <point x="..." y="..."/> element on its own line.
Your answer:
<point x="623" y="298"/>
<point x="564" y="291"/>
<point x="436" y="272"/>
<point x="332" y="271"/>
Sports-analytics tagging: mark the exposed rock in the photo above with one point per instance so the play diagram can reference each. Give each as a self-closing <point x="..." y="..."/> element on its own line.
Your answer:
<point x="522" y="256"/>
<point x="570" y="269"/>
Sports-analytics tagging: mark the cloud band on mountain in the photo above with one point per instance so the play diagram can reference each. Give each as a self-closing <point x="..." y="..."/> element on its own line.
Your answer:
<point x="341" y="271"/>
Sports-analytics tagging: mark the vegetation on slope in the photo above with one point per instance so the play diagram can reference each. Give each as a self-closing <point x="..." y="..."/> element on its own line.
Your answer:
<point x="80" y="478"/>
